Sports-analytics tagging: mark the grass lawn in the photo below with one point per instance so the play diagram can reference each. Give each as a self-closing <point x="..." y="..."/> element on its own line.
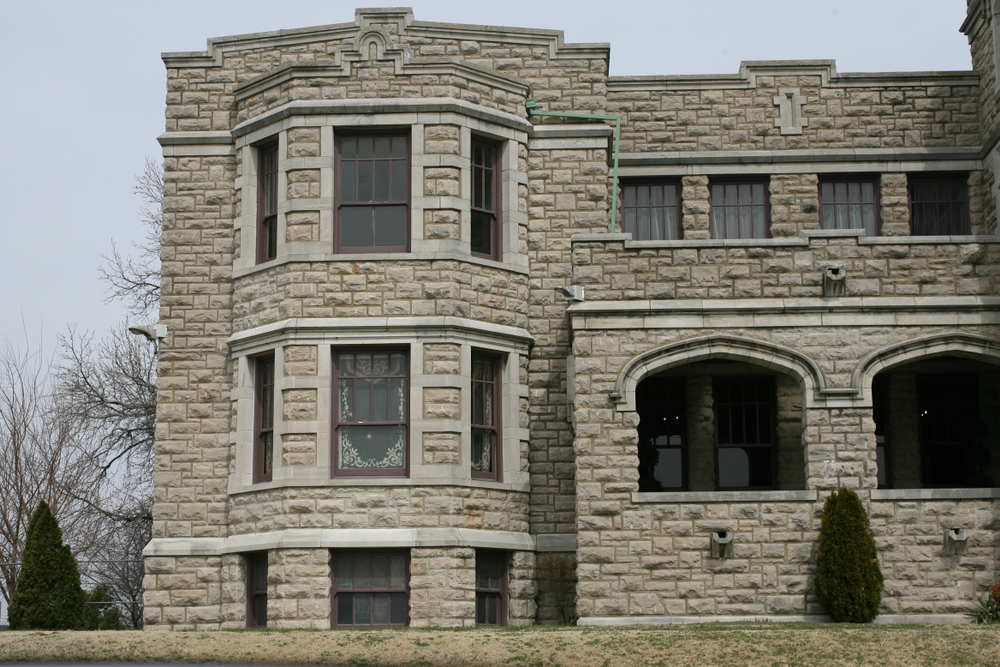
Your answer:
<point x="708" y="645"/>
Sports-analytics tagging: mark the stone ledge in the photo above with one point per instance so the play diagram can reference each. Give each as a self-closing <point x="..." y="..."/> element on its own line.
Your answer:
<point x="330" y="538"/>
<point x="845" y="155"/>
<point x="935" y="494"/>
<point x="726" y="497"/>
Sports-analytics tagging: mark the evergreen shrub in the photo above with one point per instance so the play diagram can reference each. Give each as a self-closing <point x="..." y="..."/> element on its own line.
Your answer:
<point x="48" y="594"/>
<point x="848" y="576"/>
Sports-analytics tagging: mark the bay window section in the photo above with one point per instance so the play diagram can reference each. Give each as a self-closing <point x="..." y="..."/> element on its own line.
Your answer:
<point x="263" y="450"/>
<point x="486" y="435"/>
<point x="486" y="222"/>
<point x="371" y="413"/>
<point x="373" y="192"/>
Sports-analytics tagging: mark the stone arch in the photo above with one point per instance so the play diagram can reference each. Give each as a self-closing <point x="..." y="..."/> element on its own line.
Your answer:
<point x="371" y="38"/>
<point x="954" y="343"/>
<point x="733" y="348"/>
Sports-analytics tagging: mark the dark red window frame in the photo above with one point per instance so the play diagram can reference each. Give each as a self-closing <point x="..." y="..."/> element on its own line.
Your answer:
<point x="939" y="204"/>
<point x="341" y="420"/>
<point x="487" y="388"/>
<point x="647" y="207"/>
<point x="348" y="589"/>
<point x="491" y="587"/>
<point x="745" y="418"/>
<point x="256" y="572"/>
<point x="736" y="214"/>
<point x="263" y="447"/>
<point x="267" y="202"/>
<point x="486" y="229"/>
<point x="844" y="203"/>
<point x="372" y="190"/>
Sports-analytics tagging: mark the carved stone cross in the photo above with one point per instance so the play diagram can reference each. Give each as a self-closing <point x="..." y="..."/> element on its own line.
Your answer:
<point x="790" y="120"/>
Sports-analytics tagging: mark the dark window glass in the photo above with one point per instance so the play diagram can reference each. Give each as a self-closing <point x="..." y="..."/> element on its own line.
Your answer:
<point x="370" y="588"/>
<point x="486" y="223"/>
<point x="660" y="403"/>
<point x="850" y="204"/>
<point x="652" y="211"/>
<point x="744" y="432"/>
<point x="371" y="413"/>
<point x="491" y="587"/>
<point x="264" y="417"/>
<point x="486" y="436"/>
<point x="952" y="450"/>
<point x="939" y="206"/>
<point x="739" y="210"/>
<point x="267" y="202"/>
<point x="373" y="193"/>
<point x="256" y="590"/>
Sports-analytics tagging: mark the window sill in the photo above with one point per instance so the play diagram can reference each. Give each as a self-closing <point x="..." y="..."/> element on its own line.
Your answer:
<point x="726" y="497"/>
<point x="517" y="266"/>
<point x="935" y="494"/>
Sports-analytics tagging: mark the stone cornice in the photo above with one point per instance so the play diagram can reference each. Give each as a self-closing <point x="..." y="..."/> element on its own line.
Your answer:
<point x="852" y="156"/>
<point x="382" y="106"/>
<point x="746" y="79"/>
<point x="368" y="328"/>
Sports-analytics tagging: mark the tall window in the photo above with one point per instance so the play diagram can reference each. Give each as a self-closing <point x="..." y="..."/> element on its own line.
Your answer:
<point x="263" y="451"/>
<point x="373" y="192"/>
<point x="744" y="431"/>
<point x="256" y="590"/>
<point x="652" y="211"/>
<point x="491" y="587"/>
<point x="486" y="435"/>
<point x="849" y="204"/>
<point x="370" y="432"/>
<point x="939" y="205"/>
<point x="486" y="223"/>
<point x="660" y="403"/>
<point x="740" y="210"/>
<point x="370" y="588"/>
<point x="267" y="202"/>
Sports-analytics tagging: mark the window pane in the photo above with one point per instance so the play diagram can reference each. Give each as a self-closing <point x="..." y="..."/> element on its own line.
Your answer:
<point x="267" y="441"/>
<point x="397" y="399"/>
<point x="363" y="400"/>
<point x="481" y="232"/>
<point x="668" y="471"/>
<point x="363" y="609"/>
<point x="380" y="399"/>
<point x="399" y="147"/>
<point x="481" y="450"/>
<point x="372" y="447"/>
<point x="345" y="609"/>
<point x="380" y="609"/>
<point x="366" y="177"/>
<point x="362" y="576"/>
<point x="382" y="180"/>
<point x="349" y="147"/>
<point x="380" y="571"/>
<point x="356" y="226"/>
<point x="348" y="181"/>
<point x="365" y="147"/>
<point x="382" y="146"/>
<point x="397" y="571"/>
<point x="400" y="179"/>
<point x="734" y="467"/>
<point x="390" y="226"/>
<point x="345" y="572"/>
<point x="346" y="397"/>
<point x="397" y="613"/>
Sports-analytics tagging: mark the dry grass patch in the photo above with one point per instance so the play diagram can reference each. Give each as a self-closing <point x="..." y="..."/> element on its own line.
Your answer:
<point x="708" y="645"/>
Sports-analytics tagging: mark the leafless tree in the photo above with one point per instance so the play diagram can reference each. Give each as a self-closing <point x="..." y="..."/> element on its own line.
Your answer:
<point x="43" y="456"/>
<point x="136" y="280"/>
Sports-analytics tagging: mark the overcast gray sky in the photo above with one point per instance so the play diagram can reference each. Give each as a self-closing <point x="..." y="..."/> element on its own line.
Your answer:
<point x="84" y="86"/>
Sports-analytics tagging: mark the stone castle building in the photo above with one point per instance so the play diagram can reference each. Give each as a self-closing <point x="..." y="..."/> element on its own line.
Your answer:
<point x="462" y="330"/>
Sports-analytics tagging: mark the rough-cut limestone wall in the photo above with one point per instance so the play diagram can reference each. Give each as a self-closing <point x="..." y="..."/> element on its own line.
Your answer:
<point x="183" y="593"/>
<point x="567" y="195"/>
<point x="984" y="63"/>
<point x="443" y="587"/>
<point x="653" y="558"/>
<point x="298" y="588"/>
<point x="396" y="288"/>
<point x="379" y="507"/>
<point x="612" y="272"/>
<point x="794" y="201"/>
<point x="234" y="591"/>
<point x="556" y="576"/>
<point x="522" y="588"/>
<point x="920" y="578"/>
<point x="744" y="120"/>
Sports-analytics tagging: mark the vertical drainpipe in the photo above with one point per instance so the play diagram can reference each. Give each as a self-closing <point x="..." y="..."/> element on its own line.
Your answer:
<point x="532" y="106"/>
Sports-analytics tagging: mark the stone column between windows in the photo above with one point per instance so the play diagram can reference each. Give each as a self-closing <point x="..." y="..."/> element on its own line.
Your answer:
<point x="443" y="587"/>
<point x="522" y="588"/>
<point x="701" y="433"/>
<point x="696" y="207"/>
<point x="840" y="450"/>
<point x="298" y="588"/>
<point x="895" y="205"/>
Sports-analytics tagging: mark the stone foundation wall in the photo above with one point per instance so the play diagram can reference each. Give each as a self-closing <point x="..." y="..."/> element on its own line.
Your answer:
<point x="443" y="588"/>
<point x="298" y="588"/>
<point x="183" y="593"/>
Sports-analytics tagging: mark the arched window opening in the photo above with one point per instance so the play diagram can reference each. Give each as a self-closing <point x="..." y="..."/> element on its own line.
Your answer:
<point x="720" y="425"/>
<point x="937" y="424"/>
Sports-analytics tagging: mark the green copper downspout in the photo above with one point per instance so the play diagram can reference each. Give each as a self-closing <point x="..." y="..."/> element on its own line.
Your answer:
<point x="532" y="106"/>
